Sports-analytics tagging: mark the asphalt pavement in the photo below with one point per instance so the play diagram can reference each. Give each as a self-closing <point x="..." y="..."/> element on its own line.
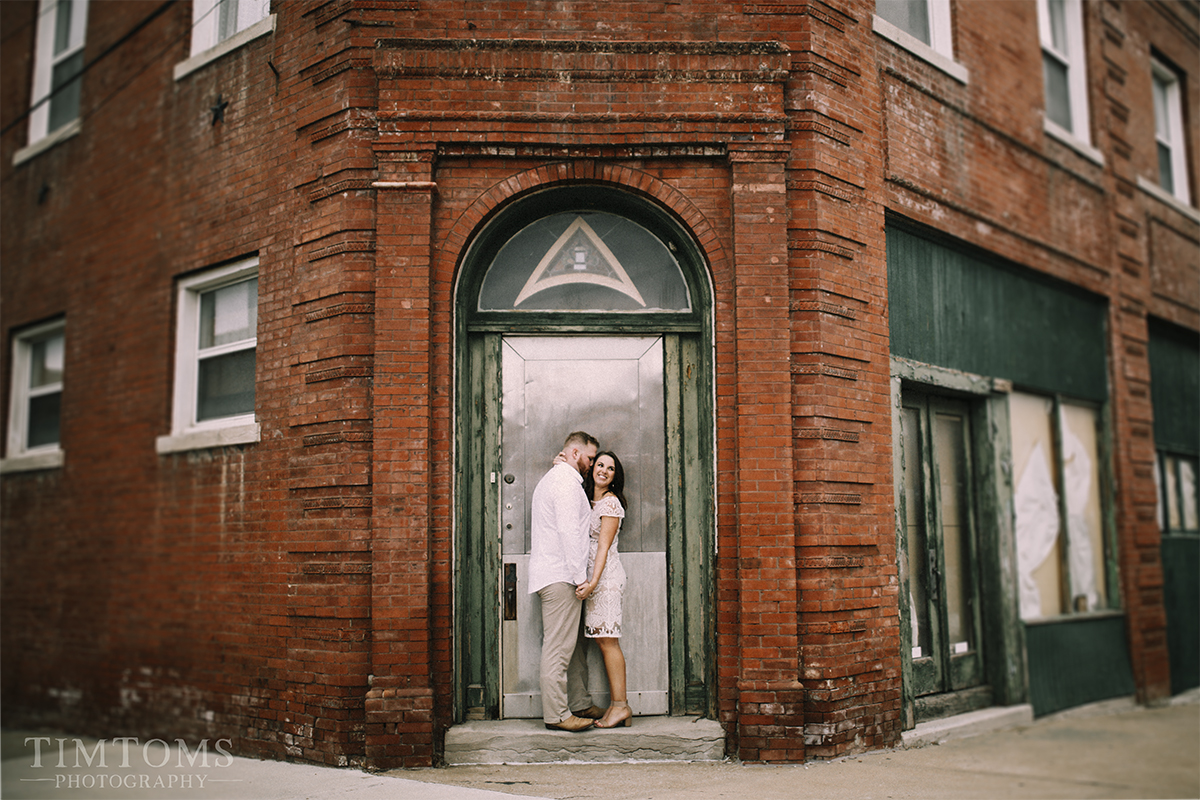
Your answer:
<point x="1110" y="750"/>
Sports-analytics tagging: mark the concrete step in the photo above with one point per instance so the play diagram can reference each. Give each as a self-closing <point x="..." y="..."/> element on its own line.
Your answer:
<point x="527" y="741"/>
<point x="973" y="723"/>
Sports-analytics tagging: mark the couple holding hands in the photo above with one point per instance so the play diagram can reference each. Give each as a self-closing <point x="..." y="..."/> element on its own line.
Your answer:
<point x="574" y="568"/>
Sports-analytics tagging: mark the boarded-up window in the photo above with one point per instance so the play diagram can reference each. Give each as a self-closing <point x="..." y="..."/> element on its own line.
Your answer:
<point x="1061" y="543"/>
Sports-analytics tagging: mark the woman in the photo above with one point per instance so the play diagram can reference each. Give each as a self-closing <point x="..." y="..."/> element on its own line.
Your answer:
<point x="605" y="485"/>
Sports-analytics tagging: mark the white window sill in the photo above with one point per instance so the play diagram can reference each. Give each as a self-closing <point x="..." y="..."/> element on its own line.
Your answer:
<point x="46" y="142"/>
<point x="921" y="50"/>
<point x="258" y="29"/>
<point x="1070" y="140"/>
<point x="205" y="438"/>
<point x="29" y="462"/>
<point x="1161" y="194"/>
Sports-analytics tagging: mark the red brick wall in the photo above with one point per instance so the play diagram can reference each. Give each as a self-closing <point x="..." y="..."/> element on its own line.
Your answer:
<point x="295" y="594"/>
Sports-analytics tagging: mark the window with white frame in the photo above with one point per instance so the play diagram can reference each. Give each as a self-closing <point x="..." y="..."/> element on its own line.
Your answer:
<point x="1168" y="131"/>
<point x="37" y="385"/>
<point x="1064" y="63"/>
<point x="927" y="21"/>
<point x="216" y="344"/>
<point x="215" y="21"/>
<point x="57" y="66"/>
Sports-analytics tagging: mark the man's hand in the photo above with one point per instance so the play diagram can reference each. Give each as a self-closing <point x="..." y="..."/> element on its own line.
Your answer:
<point x="583" y="590"/>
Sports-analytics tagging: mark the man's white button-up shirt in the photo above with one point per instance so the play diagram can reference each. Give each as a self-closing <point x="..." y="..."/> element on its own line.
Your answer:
<point x="559" y="527"/>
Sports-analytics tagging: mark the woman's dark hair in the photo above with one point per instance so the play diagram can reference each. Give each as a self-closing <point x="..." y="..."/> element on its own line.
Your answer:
<point x="617" y="486"/>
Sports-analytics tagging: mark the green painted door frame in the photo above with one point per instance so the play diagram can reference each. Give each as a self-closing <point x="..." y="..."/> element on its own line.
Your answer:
<point x="1002" y="634"/>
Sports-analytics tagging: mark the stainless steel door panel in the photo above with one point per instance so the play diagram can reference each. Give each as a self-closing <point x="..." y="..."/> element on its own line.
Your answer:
<point x="612" y="388"/>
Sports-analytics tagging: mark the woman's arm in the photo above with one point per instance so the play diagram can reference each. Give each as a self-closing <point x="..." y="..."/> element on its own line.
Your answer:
<point x="608" y="532"/>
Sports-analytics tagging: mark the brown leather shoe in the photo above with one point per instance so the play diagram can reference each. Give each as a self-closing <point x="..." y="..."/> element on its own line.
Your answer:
<point x="591" y="712"/>
<point x="573" y="724"/>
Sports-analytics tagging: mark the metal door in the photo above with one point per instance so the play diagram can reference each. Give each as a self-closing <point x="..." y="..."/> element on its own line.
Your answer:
<point x="611" y="387"/>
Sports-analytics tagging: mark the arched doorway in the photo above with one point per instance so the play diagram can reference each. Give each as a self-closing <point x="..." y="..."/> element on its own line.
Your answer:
<point x="584" y="307"/>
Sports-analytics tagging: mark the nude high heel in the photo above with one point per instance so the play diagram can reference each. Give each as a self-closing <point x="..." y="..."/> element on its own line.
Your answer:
<point x="627" y="720"/>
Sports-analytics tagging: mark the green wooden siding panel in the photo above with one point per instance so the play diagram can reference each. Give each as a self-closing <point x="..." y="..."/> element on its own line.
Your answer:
<point x="1181" y="596"/>
<point x="971" y="312"/>
<point x="1074" y="662"/>
<point x="1175" y="387"/>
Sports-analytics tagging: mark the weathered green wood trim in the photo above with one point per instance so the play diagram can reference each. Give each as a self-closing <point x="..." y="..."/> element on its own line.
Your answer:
<point x="561" y="322"/>
<point x="477" y="550"/>
<point x="965" y="670"/>
<point x="930" y="670"/>
<point x="676" y="526"/>
<point x="689" y="526"/>
<point x="945" y="378"/>
<point x="1065" y="590"/>
<point x="949" y="704"/>
<point x="1106" y="438"/>
<point x="1003" y="631"/>
<point x="908" y="719"/>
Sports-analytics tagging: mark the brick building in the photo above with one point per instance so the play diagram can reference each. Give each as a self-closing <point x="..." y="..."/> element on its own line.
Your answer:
<point x="891" y="311"/>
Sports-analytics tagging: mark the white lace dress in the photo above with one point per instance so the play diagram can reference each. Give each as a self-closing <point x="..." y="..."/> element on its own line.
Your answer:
<point x="602" y="611"/>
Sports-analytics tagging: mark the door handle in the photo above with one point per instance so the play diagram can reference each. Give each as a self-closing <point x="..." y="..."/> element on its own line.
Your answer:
<point x="510" y="591"/>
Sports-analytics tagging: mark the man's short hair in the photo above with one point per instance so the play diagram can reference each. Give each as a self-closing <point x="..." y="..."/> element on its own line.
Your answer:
<point x="581" y="439"/>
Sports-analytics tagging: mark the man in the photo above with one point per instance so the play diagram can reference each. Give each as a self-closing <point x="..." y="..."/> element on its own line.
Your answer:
<point x="557" y="566"/>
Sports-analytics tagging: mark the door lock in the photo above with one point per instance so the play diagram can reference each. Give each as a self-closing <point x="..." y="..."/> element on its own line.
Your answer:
<point x="510" y="591"/>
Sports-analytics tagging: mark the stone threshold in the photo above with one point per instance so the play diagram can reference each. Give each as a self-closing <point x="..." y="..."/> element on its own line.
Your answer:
<point x="973" y="723"/>
<point x="527" y="741"/>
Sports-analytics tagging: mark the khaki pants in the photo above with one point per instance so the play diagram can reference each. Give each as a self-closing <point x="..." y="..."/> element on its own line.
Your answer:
<point x="564" y="673"/>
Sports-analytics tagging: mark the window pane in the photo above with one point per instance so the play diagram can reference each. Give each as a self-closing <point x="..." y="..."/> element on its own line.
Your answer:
<point x="1058" y="92"/>
<point x="226" y="386"/>
<point x="1058" y="25"/>
<point x="914" y="526"/>
<point x="1085" y="522"/>
<point x="229" y="314"/>
<point x="227" y="19"/>
<point x="1166" y="171"/>
<point x="64" y="100"/>
<point x="43" y="420"/>
<point x="910" y="16"/>
<point x="62" y="25"/>
<point x="46" y="361"/>
<point x="1190" y="510"/>
<point x="1036" y="503"/>
<point x="1171" y="492"/>
<point x="586" y="261"/>
<point x="1162" y="126"/>
<point x="948" y="444"/>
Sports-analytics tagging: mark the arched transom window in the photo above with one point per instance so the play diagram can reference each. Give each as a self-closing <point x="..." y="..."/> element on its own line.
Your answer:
<point x="585" y="261"/>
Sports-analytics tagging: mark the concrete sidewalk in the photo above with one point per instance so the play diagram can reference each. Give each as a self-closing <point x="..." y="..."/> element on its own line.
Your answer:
<point x="1111" y="750"/>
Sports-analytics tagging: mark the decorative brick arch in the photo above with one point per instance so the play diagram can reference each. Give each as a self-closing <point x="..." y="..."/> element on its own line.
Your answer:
<point x="463" y="251"/>
<point x="565" y="173"/>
